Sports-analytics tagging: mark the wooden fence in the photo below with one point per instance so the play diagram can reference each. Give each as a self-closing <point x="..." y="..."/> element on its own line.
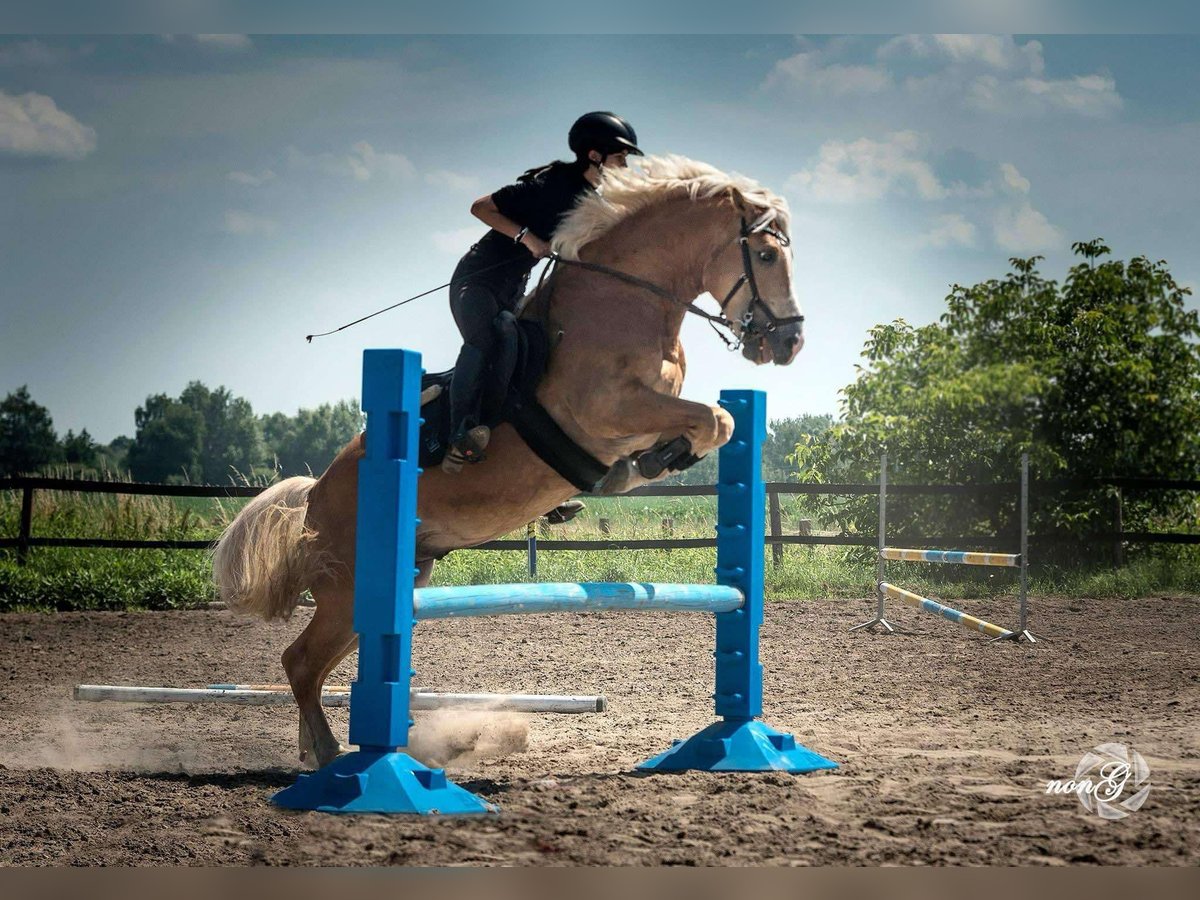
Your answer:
<point x="1117" y="537"/>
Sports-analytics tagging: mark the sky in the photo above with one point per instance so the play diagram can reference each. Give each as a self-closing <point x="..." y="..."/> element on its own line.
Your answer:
<point x="189" y="207"/>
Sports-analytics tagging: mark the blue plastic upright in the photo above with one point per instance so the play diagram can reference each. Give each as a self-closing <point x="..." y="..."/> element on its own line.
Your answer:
<point x="739" y="742"/>
<point x="377" y="778"/>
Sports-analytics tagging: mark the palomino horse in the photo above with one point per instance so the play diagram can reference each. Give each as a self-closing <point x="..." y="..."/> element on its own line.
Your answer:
<point x="675" y="229"/>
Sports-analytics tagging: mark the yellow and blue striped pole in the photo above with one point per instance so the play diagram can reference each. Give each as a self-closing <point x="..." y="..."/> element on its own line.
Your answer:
<point x="946" y="612"/>
<point x="962" y="557"/>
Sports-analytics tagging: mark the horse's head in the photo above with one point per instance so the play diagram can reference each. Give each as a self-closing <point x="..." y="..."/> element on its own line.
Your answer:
<point x="751" y="276"/>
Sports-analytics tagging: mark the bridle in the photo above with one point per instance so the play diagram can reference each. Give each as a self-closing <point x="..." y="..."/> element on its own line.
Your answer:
<point x="750" y="329"/>
<point x="745" y="328"/>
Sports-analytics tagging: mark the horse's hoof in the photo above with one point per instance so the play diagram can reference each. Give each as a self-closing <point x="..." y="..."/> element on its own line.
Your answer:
<point x="620" y="478"/>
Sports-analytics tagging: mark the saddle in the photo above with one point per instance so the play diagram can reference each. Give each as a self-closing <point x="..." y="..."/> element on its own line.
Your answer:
<point x="523" y="352"/>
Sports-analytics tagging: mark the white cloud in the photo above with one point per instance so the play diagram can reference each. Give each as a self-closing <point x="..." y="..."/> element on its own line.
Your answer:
<point x="33" y="125"/>
<point x="809" y="71"/>
<point x="362" y="163"/>
<point x="227" y="42"/>
<point x="1085" y="95"/>
<point x="243" y="223"/>
<point x="852" y="171"/>
<point x="987" y="73"/>
<point x="250" y="179"/>
<point x="452" y="180"/>
<point x="1014" y="179"/>
<point x="951" y="229"/>
<point x="457" y="241"/>
<point x="993" y="51"/>
<point x="901" y="165"/>
<point x="1022" y="229"/>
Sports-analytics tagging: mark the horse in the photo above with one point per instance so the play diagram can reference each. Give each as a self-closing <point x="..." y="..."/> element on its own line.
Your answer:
<point x="634" y="256"/>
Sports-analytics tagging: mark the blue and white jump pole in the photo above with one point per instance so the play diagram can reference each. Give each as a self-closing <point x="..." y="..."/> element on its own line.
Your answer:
<point x="378" y="777"/>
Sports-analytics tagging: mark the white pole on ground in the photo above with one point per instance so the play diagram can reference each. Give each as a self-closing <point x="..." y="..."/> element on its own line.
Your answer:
<point x="422" y="700"/>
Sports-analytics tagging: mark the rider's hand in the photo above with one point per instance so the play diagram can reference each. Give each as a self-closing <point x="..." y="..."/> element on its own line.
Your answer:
<point x="535" y="245"/>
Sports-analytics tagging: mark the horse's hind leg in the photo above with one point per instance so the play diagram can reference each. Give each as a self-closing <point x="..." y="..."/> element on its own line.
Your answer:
<point x="327" y="640"/>
<point x="310" y="659"/>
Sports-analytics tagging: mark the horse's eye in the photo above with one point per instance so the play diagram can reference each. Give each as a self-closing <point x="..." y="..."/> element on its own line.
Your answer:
<point x="767" y="256"/>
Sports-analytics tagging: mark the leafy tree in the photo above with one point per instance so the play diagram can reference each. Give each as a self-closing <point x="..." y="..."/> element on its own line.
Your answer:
<point x="80" y="449"/>
<point x="204" y="435"/>
<point x="169" y="441"/>
<point x="783" y="435"/>
<point x="308" y="441"/>
<point x="231" y="440"/>
<point x="1098" y="376"/>
<point x="27" y="438"/>
<point x="114" y="457"/>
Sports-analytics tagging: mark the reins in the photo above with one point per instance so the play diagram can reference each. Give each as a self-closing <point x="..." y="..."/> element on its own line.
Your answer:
<point x="748" y="327"/>
<point x="745" y="328"/>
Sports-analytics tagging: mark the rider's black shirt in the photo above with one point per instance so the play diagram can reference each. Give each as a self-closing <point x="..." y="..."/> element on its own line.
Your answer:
<point x="536" y="203"/>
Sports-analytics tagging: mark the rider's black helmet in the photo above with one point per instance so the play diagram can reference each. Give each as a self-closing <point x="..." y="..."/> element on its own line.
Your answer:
<point x="604" y="132"/>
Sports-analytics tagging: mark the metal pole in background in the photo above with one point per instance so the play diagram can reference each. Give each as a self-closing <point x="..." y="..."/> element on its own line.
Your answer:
<point x="1022" y="625"/>
<point x="879" y="562"/>
<point x="531" y="548"/>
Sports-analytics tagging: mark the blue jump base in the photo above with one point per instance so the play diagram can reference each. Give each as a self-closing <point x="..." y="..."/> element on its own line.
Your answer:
<point x="379" y="777"/>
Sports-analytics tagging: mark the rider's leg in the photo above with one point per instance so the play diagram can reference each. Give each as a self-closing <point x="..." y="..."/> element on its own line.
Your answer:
<point x="475" y="307"/>
<point x="469" y="437"/>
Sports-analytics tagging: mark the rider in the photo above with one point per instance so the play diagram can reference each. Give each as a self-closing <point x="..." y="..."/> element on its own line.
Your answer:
<point x="491" y="276"/>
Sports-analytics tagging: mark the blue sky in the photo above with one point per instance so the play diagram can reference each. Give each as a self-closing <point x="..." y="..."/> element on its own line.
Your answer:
<point x="189" y="207"/>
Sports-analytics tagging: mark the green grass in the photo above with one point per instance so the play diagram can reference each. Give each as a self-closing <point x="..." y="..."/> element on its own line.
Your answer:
<point x="65" y="579"/>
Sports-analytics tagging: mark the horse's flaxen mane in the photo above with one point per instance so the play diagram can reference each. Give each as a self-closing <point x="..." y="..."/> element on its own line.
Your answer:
<point x="625" y="191"/>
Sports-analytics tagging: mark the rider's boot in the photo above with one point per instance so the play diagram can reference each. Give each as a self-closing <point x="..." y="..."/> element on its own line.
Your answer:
<point x="469" y="438"/>
<point x="467" y="449"/>
<point x="565" y="512"/>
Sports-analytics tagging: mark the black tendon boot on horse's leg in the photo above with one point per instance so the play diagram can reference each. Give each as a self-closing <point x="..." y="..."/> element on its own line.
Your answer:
<point x="469" y="438"/>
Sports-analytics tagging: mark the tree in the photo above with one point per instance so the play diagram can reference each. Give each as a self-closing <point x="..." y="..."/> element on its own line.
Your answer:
<point x="310" y="440"/>
<point x="204" y="435"/>
<point x="1098" y="376"/>
<point x="80" y="449"/>
<point x="27" y="438"/>
<point x="168" y="442"/>
<point x="114" y="457"/>
<point x="231" y="441"/>
<point x="779" y="452"/>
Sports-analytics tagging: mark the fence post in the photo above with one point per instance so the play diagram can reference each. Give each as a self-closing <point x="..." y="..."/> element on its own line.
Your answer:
<point x="26" y="524"/>
<point x="1119" y="528"/>
<point x="776" y="530"/>
<point x="531" y="548"/>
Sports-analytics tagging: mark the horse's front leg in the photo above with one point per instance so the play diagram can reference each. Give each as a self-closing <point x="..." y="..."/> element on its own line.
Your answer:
<point x="686" y="427"/>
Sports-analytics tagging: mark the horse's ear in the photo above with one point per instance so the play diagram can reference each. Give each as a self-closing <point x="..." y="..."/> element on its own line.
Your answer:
<point x="739" y="202"/>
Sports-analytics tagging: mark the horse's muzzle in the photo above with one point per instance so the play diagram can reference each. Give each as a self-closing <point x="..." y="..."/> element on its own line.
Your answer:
<point x="780" y="346"/>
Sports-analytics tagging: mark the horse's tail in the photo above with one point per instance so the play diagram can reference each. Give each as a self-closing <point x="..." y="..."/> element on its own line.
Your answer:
<point x="262" y="562"/>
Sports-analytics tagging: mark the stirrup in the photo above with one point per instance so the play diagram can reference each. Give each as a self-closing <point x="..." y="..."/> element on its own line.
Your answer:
<point x="467" y="449"/>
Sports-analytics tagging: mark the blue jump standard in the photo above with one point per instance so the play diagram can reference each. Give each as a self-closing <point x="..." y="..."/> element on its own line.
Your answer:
<point x="378" y="778"/>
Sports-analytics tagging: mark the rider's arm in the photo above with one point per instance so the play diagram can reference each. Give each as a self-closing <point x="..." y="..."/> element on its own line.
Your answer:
<point x="486" y="211"/>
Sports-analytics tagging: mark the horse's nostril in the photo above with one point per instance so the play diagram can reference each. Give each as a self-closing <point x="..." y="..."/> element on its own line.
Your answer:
<point x="794" y="341"/>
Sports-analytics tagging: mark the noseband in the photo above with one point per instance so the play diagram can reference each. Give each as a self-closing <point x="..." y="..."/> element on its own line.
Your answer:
<point x="746" y="328"/>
